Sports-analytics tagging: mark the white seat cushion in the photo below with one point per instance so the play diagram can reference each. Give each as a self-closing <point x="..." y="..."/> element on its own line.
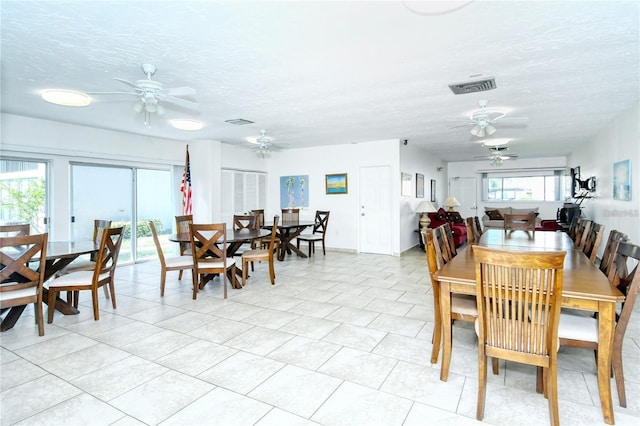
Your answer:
<point x="17" y="294"/>
<point x="75" y="278"/>
<point x="578" y="327"/>
<point x="216" y="264"/>
<point x="464" y="305"/>
<point x="177" y="261"/>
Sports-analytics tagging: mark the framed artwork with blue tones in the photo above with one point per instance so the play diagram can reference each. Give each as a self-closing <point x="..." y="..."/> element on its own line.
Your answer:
<point x="294" y="191"/>
<point x="622" y="180"/>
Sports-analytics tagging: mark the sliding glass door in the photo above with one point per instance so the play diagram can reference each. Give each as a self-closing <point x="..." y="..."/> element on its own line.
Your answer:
<point x="126" y="196"/>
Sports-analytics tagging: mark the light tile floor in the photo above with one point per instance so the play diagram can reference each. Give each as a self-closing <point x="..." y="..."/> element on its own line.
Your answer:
<point x="339" y="340"/>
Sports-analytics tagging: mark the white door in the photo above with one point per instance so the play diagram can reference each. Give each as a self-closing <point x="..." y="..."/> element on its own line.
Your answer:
<point x="375" y="210"/>
<point x="466" y="192"/>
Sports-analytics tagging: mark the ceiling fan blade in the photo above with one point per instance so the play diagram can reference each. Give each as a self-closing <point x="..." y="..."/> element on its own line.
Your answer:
<point x="112" y="93"/>
<point x="192" y="105"/>
<point x="179" y="91"/>
<point x="134" y="85"/>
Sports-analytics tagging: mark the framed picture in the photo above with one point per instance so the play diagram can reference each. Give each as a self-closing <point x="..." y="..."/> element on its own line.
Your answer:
<point x="433" y="191"/>
<point x="405" y="188"/>
<point x="622" y="180"/>
<point x="336" y="184"/>
<point x="419" y="185"/>
<point x="293" y="191"/>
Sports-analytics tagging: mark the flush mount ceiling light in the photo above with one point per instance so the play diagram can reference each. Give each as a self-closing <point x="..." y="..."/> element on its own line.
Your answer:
<point x="186" y="124"/>
<point x="435" y="7"/>
<point x="65" y="97"/>
<point x="495" y="142"/>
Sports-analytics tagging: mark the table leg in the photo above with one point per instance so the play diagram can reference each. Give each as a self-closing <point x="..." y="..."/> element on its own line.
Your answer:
<point x="445" y="315"/>
<point x="606" y="327"/>
<point x="10" y="320"/>
<point x="285" y="242"/>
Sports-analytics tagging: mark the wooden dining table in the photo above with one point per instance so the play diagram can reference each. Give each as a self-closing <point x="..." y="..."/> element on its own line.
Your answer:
<point x="287" y="231"/>
<point x="235" y="239"/>
<point x="59" y="255"/>
<point x="584" y="288"/>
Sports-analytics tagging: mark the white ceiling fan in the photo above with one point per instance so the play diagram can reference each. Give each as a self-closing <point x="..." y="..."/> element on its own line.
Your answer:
<point x="483" y="120"/>
<point x="152" y="96"/>
<point x="497" y="155"/>
<point x="263" y="144"/>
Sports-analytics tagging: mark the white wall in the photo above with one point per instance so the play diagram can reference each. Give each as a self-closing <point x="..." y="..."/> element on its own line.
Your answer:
<point x="547" y="209"/>
<point x="317" y="162"/>
<point x="416" y="160"/>
<point x="619" y="141"/>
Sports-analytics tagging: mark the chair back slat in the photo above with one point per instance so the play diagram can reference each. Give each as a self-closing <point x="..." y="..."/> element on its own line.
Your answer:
<point x="245" y="221"/>
<point x="592" y="240"/>
<point x="15" y="254"/>
<point x="290" y="215"/>
<point x="610" y="248"/>
<point x="447" y="237"/>
<point x="519" y="296"/>
<point x="478" y="228"/>
<point x="471" y="230"/>
<point x="15" y="230"/>
<point x="321" y="222"/>
<point x="182" y="227"/>
<point x="259" y="214"/>
<point x="108" y="253"/>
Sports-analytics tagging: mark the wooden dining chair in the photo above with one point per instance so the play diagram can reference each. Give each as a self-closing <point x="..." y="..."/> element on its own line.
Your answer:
<point x="259" y="214"/>
<point x="19" y="284"/>
<point x="471" y="231"/>
<point x="171" y="263"/>
<point x="83" y="264"/>
<point x="478" y="227"/>
<point x="592" y="240"/>
<point x="521" y="222"/>
<point x="290" y="215"/>
<point x="463" y="307"/>
<point x="15" y="230"/>
<point x="581" y="331"/>
<point x="581" y="230"/>
<point x="209" y="242"/>
<point x="610" y="248"/>
<point x="519" y="296"/>
<point x="182" y="227"/>
<point x="102" y="275"/>
<point x="447" y="232"/>
<point x="319" y="232"/>
<point x="260" y="254"/>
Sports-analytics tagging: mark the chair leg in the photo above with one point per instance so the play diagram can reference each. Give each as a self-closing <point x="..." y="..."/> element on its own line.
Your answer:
<point x="112" y="288"/>
<point x="539" y="380"/>
<point x="106" y="292"/>
<point x="495" y="366"/>
<point x="436" y="339"/>
<point x="163" y="279"/>
<point x="272" y="272"/>
<point x="482" y="383"/>
<point x="618" y="371"/>
<point x="51" y="305"/>
<point x="194" y="279"/>
<point x="245" y="264"/>
<point x="94" y="299"/>
<point x="324" y="252"/>
<point x="180" y="276"/>
<point x="551" y="380"/>
<point x="39" y="317"/>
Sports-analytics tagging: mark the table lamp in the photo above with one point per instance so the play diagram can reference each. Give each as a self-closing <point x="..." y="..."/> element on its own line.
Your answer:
<point x="451" y="202"/>
<point x="425" y="207"/>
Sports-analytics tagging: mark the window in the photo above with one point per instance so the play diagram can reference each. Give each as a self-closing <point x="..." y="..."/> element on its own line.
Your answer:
<point x="543" y="186"/>
<point x="23" y="193"/>
<point x="248" y="192"/>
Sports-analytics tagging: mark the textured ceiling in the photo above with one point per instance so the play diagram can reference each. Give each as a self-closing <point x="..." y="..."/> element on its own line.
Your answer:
<point x="321" y="73"/>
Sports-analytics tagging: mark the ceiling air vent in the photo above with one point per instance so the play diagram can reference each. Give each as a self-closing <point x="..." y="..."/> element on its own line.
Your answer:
<point x="239" y="121"/>
<point x="473" y="86"/>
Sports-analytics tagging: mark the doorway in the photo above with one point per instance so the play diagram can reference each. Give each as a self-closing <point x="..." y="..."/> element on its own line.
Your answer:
<point x="465" y="190"/>
<point x="375" y="210"/>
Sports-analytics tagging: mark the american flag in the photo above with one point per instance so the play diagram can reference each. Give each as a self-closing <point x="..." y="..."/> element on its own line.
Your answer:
<point x="185" y="186"/>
